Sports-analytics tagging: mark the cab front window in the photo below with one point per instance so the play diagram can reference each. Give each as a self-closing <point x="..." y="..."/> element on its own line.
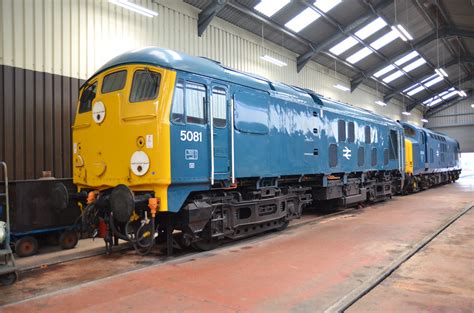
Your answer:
<point x="145" y="85"/>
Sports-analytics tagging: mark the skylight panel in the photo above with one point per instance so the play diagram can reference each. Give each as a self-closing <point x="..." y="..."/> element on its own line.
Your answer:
<point x="385" y="70"/>
<point x="359" y="55"/>
<point x="435" y="102"/>
<point x="411" y="87"/>
<point x="429" y="78"/>
<point x="433" y="81"/>
<point x="429" y="100"/>
<point x="450" y="95"/>
<point x="406" y="58"/>
<point x="413" y="65"/>
<point x="270" y="7"/>
<point x="384" y="40"/>
<point x="343" y="45"/>
<point x="415" y="91"/>
<point x="302" y="20"/>
<point x="326" y="5"/>
<point x="371" y="28"/>
<point x="393" y="76"/>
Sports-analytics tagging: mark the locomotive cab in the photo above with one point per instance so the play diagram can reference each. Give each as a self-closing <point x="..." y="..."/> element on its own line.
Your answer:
<point x="122" y="119"/>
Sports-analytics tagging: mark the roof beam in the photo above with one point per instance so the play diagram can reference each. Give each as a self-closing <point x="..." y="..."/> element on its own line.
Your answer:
<point x="437" y="16"/>
<point x="357" y="80"/>
<point x="205" y="16"/>
<point x="425" y="75"/>
<point x="298" y="38"/>
<point x="304" y="58"/>
<point x="443" y="33"/>
<point x="439" y="108"/>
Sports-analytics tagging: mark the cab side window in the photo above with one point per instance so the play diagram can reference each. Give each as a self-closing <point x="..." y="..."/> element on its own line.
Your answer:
<point x="177" y="114"/>
<point x="87" y="96"/>
<point x="195" y="103"/>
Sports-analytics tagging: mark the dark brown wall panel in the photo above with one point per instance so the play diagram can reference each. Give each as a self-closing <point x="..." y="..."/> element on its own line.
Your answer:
<point x="36" y="113"/>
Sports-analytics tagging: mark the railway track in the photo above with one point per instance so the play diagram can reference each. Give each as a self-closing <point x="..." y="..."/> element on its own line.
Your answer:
<point x="350" y="299"/>
<point x="306" y="219"/>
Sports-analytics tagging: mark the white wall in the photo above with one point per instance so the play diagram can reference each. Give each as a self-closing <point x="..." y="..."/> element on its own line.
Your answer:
<point x="457" y="122"/>
<point x="75" y="37"/>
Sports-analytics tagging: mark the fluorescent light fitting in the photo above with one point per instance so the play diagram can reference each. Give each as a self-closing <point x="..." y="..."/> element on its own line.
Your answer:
<point x="406" y="113"/>
<point x="381" y="103"/>
<point x="302" y="20"/>
<point x="384" y="40"/>
<point x="270" y="7"/>
<point x="273" y="60"/>
<point x="404" y="32"/>
<point x="326" y="5"/>
<point x="424" y="120"/>
<point x="415" y="91"/>
<point x="413" y="65"/>
<point x="441" y="72"/>
<point x="399" y="34"/>
<point x="371" y="28"/>
<point x="472" y="105"/>
<point x="384" y="71"/>
<point x="344" y="45"/>
<point x="134" y="7"/>
<point x="436" y="80"/>
<point x="462" y="93"/>
<point x="359" y="55"/>
<point x="341" y="87"/>
<point x="393" y="76"/>
<point x="407" y="58"/>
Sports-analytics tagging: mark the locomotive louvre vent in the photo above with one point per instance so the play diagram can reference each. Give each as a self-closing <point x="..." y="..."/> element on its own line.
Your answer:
<point x="360" y="156"/>
<point x="332" y="155"/>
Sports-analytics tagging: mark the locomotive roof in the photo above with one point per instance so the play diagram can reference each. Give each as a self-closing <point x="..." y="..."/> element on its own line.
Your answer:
<point x="429" y="131"/>
<point x="171" y="59"/>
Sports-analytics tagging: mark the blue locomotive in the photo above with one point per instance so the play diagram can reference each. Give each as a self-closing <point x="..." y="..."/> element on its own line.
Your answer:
<point x="164" y="141"/>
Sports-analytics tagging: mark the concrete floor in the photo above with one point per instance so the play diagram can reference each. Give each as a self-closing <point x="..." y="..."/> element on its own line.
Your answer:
<point x="303" y="269"/>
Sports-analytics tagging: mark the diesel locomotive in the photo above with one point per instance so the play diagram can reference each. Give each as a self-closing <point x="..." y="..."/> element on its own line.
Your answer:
<point x="165" y="142"/>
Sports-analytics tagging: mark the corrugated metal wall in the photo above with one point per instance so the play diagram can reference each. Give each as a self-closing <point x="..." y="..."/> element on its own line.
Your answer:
<point x="457" y="122"/>
<point x="72" y="38"/>
<point x="35" y="121"/>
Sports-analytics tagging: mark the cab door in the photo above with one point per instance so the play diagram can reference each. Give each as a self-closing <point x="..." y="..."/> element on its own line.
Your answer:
<point x="220" y="129"/>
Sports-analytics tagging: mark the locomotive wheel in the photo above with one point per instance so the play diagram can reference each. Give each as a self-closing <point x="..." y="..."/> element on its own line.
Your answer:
<point x="205" y="244"/>
<point x="26" y="246"/>
<point x="282" y="226"/>
<point x="68" y="239"/>
<point x="8" y="279"/>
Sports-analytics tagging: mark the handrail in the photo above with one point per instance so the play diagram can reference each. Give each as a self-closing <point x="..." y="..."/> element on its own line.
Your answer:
<point x="212" y="141"/>
<point x="232" y="140"/>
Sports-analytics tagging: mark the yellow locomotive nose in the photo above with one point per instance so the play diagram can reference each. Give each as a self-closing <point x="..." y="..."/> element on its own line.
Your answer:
<point x="121" y="131"/>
